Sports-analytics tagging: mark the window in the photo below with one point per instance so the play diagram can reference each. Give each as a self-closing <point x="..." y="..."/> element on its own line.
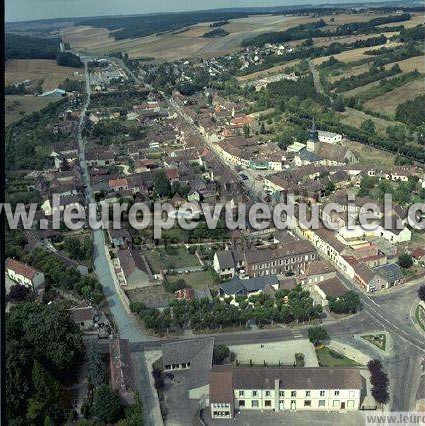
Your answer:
<point x="307" y="403"/>
<point x="241" y="393"/>
<point x="352" y="393"/>
<point x="267" y="393"/>
<point x="335" y="403"/>
<point x="268" y="403"/>
<point x="242" y="403"/>
<point x="254" y="393"/>
<point x="350" y="404"/>
<point x="336" y="393"/>
<point x="254" y="403"/>
<point x="322" y="393"/>
<point x="307" y="393"/>
<point x="293" y="393"/>
<point x="322" y="403"/>
<point x="281" y="393"/>
<point x="167" y="367"/>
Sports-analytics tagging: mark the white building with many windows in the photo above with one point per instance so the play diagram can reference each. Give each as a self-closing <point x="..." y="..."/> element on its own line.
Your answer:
<point x="282" y="389"/>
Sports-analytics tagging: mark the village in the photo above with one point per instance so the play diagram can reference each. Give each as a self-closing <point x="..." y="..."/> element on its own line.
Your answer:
<point x="218" y="324"/>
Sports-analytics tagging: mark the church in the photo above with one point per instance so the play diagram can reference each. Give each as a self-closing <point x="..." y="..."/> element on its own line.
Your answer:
<point x="323" y="153"/>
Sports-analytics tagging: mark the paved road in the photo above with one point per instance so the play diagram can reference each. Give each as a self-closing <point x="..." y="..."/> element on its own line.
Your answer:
<point x="125" y="323"/>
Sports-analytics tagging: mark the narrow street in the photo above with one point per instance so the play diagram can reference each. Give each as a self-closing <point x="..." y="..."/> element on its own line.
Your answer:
<point x="126" y="323"/>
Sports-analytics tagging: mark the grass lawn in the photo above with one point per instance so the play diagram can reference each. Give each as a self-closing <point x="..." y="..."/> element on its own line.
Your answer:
<point x="175" y="258"/>
<point x="420" y="317"/>
<point x="196" y="280"/>
<point x="329" y="358"/>
<point x="379" y="340"/>
<point x="365" y="154"/>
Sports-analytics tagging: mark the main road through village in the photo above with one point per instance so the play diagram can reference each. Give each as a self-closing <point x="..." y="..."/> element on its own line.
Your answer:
<point x="390" y="313"/>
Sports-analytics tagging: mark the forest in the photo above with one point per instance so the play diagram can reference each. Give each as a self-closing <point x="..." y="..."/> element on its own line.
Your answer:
<point x="412" y="112"/>
<point x="141" y="26"/>
<point x="25" y="47"/>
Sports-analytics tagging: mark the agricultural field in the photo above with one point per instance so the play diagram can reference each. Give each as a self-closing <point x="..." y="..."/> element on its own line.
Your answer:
<point x="388" y="102"/>
<point x="17" y="107"/>
<point x="352" y="55"/>
<point x="188" y="42"/>
<point x="183" y="43"/>
<point x="52" y="75"/>
<point x="355" y="118"/>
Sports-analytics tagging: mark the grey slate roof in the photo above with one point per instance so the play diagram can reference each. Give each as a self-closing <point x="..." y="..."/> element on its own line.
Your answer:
<point x="390" y="272"/>
<point x="185" y="351"/>
<point x="224" y="379"/>
<point x="238" y="286"/>
<point x="199" y="352"/>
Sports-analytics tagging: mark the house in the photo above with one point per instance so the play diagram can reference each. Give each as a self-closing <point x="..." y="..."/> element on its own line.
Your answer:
<point x="289" y="258"/>
<point x="131" y="268"/>
<point x="365" y="277"/>
<point x="318" y="271"/>
<point x="118" y="185"/>
<point x="284" y="259"/>
<point x="185" y="294"/>
<point x="329" y="137"/>
<point x="418" y="255"/>
<point x="238" y="287"/>
<point x="227" y="263"/>
<point x="234" y="389"/>
<point x="83" y="316"/>
<point x="329" y="288"/>
<point x="24" y="274"/>
<point x="119" y="237"/>
<point x="390" y="275"/>
<point x="122" y="369"/>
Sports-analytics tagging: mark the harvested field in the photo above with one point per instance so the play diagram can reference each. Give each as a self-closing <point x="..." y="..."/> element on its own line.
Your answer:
<point x="388" y="102"/>
<point x="355" y="118"/>
<point x="18" y="70"/>
<point x="270" y="71"/>
<point x="17" y="107"/>
<point x="321" y="41"/>
<point x="189" y="43"/>
<point x="352" y="55"/>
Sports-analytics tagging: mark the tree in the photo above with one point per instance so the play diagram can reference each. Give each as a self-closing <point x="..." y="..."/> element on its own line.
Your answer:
<point x="246" y="130"/>
<point x="134" y="413"/>
<point x="220" y="353"/>
<point x="107" y="405"/>
<point x="379" y="381"/>
<point x="339" y="104"/>
<point x="316" y="335"/>
<point x="45" y="397"/>
<point x="405" y="260"/>
<point x="421" y="293"/>
<point x="368" y="127"/>
<point x="162" y="185"/>
<point x="18" y="293"/>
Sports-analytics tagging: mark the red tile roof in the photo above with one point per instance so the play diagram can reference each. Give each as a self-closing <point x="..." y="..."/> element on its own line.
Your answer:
<point x="21" y="268"/>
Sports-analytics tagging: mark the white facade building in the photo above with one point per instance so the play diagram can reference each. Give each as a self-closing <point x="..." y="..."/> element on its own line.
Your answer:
<point x="283" y="389"/>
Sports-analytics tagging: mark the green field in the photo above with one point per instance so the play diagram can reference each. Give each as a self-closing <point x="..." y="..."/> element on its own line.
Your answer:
<point x="196" y="280"/>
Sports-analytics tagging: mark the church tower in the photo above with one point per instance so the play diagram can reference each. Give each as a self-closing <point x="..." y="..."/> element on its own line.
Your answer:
<point x="313" y="138"/>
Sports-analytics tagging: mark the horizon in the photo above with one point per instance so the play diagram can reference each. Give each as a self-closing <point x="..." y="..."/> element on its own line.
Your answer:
<point x="18" y="10"/>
